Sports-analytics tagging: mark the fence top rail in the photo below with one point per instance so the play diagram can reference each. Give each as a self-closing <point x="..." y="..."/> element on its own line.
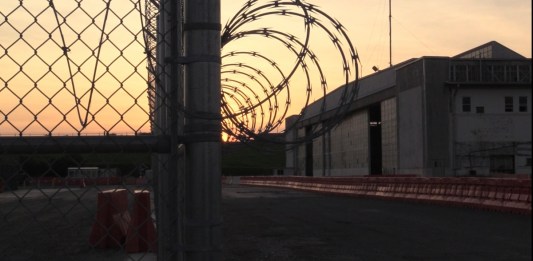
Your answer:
<point x="85" y="144"/>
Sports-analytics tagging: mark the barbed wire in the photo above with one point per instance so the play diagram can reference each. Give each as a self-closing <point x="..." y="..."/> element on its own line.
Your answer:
<point x="259" y="106"/>
<point x="77" y="100"/>
<point x="259" y="88"/>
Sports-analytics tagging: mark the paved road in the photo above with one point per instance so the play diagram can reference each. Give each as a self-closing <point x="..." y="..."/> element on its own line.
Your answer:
<point x="50" y="224"/>
<point x="275" y="224"/>
<point x="281" y="225"/>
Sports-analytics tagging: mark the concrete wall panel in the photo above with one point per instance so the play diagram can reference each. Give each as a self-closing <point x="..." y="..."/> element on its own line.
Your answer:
<point x="389" y="137"/>
<point x="411" y="143"/>
<point x="349" y="143"/>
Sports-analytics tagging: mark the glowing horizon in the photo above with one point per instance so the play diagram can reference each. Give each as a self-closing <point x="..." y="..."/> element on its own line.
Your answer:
<point x="120" y="103"/>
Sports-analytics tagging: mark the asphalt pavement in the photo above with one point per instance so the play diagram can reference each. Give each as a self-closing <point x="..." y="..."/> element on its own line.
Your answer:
<point x="280" y="225"/>
<point x="276" y="224"/>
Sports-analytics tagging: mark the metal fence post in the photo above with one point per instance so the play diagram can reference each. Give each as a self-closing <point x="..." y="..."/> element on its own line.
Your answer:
<point x="170" y="89"/>
<point x="202" y="223"/>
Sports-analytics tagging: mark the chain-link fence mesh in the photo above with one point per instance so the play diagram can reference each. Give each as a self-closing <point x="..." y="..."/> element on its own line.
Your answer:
<point x="77" y="136"/>
<point x="96" y="125"/>
<point x="73" y="67"/>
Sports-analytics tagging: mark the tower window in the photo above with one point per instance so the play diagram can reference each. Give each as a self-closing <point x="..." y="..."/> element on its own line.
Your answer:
<point x="522" y="104"/>
<point x="480" y="109"/>
<point x="466" y="104"/>
<point x="509" y="104"/>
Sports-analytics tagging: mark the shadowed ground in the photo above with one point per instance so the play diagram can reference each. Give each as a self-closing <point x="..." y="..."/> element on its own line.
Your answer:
<point x="276" y="224"/>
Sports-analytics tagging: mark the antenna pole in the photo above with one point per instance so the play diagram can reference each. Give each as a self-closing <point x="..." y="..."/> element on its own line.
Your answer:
<point x="390" y="34"/>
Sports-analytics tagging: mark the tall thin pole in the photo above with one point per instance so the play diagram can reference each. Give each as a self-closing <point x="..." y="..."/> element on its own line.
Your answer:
<point x="390" y="33"/>
<point x="167" y="100"/>
<point x="202" y="222"/>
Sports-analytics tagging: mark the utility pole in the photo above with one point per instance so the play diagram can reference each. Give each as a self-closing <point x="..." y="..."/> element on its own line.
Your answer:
<point x="202" y="238"/>
<point x="390" y="33"/>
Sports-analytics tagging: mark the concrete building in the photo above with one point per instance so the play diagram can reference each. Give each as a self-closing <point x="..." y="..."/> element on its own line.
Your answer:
<point x="432" y="116"/>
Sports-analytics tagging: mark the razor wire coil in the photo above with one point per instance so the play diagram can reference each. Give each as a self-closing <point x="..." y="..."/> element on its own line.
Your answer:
<point x="261" y="107"/>
<point x="259" y="90"/>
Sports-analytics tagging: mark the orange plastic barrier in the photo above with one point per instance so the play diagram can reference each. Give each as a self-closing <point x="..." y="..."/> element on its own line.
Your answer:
<point x="112" y="219"/>
<point x="141" y="235"/>
<point x="83" y="182"/>
<point x="509" y="194"/>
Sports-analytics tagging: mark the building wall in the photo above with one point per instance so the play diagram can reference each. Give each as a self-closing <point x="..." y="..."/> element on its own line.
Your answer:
<point x="436" y="101"/>
<point x="389" y="136"/>
<point x="492" y="99"/>
<point x="318" y="156"/>
<point x="341" y="152"/>
<point x="291" y="149"/>
<point x="349" y="146"/>
<point x="300" y="164"/>
<point x="423" y="129"/>
<point x="410" y="119"/>
<point x="523" y="158"/>
<point x="483" y="138"/>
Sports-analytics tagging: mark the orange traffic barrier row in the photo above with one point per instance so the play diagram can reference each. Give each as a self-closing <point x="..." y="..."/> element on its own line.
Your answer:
<point x="83" y="182"/>
<point x="116" y="227"/>
<point x="503" y="194"/>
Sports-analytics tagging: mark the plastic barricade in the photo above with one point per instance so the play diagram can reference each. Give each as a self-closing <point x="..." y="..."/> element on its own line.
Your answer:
<point x="141" y="236"/>
<point x="487" y="193"/>
<point x="112" y="219"/>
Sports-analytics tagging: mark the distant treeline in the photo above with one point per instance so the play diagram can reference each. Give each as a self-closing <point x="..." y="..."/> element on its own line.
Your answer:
<point x="238" y="159"/>
<point x="56" y="165"/>
<point x="252" y="159"/>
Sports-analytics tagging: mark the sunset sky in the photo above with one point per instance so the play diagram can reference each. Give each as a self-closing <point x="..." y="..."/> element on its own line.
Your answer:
<point x="420" y="28"/>
<point x="425" y="28"/>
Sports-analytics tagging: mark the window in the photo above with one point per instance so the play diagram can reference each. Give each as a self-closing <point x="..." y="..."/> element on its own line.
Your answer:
<point x="498" y="73"/>
<point x="460" y="73"/>
<point x="524" y="73"/>
<point x="512" y="73"/>
<point x="509" y="104"/>
<point x="473" y="73"/>
<point x="522" y="104"/>
<point x="480" y="109"/>
<point x="466" y="104"/>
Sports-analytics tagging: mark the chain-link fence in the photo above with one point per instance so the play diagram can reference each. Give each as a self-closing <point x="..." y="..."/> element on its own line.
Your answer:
<point x="88" y="112"/>
<point x="111" y="114"/>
